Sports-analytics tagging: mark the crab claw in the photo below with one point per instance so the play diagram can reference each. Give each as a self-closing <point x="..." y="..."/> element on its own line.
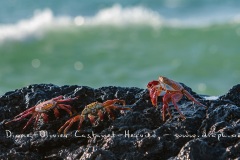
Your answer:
<point x="155" y="90"/>
<point x="154" y="96"/>
<point x="152" y="84"/>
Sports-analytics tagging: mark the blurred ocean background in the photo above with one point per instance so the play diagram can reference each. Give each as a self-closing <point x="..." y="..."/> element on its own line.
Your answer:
<point x="122" y="43"/>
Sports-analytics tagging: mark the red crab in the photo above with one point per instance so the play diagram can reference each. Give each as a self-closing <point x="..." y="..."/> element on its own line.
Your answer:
<point x="93" y="110"/>
<point x="172" y="91"/>
<point x="41" y="109"/>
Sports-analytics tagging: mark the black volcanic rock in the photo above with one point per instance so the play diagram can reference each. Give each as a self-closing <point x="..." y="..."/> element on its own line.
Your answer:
<point x="207" y="133"/>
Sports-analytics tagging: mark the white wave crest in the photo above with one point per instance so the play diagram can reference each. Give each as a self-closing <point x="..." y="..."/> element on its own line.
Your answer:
<point x="115" y="15"/>
<point x="33" y="26"/>
<point x="43" y="20"/>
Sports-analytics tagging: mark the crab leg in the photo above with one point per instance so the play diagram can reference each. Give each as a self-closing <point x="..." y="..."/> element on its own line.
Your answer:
<point x="175" y="98"/>
<point x="100" y="115"/>
<point x="29" y="121"/>
<point x="92" y="119"/>
<point x="45" y="117"/>
<point x="112" y="107"/>
<point x="79" y="124"/>
<point x="190" y="97"/>
<point x="56" y="112"/>
<point x="110" y="102"/>
<point x="66" y="108"/>
<point x="36" y="120"/>
<point x="108" y="110"/>
<point x="154" y="93"/>
<point x="70" y="122"/>
<point x="67" y="123"/>
<point x="17" y="118"/>
<point x="29" y="110"/>
<point x="60" y="100"/>
<point x="166" y="100"/>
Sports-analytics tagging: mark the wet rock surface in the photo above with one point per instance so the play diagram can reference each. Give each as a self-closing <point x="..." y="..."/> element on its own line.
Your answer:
<point x="206" y="133"/>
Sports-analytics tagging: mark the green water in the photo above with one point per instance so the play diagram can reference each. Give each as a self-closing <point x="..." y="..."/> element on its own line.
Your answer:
<point x="204" y="58"/>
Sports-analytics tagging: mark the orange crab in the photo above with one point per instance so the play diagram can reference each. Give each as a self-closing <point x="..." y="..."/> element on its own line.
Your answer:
<point x="171" y="91"/>
<point x="41" y="109"/>
<point x="93" y="110"/>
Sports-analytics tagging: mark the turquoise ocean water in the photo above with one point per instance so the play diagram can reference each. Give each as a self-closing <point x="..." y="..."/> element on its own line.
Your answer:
<point x="124" y="43"/>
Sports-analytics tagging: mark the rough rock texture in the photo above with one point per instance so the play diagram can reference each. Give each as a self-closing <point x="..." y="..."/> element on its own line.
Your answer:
<point x="212" y="133"/>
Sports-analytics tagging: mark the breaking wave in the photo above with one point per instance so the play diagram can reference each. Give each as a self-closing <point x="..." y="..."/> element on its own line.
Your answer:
<point x="115" y="16"/>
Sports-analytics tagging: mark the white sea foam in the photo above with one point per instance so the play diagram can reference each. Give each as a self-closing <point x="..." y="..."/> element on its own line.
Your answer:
<point x="40" y="21"/>
<point x="115" y="15"/>
<point x="211" y="97"/>
<point x="45" y="19"/>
